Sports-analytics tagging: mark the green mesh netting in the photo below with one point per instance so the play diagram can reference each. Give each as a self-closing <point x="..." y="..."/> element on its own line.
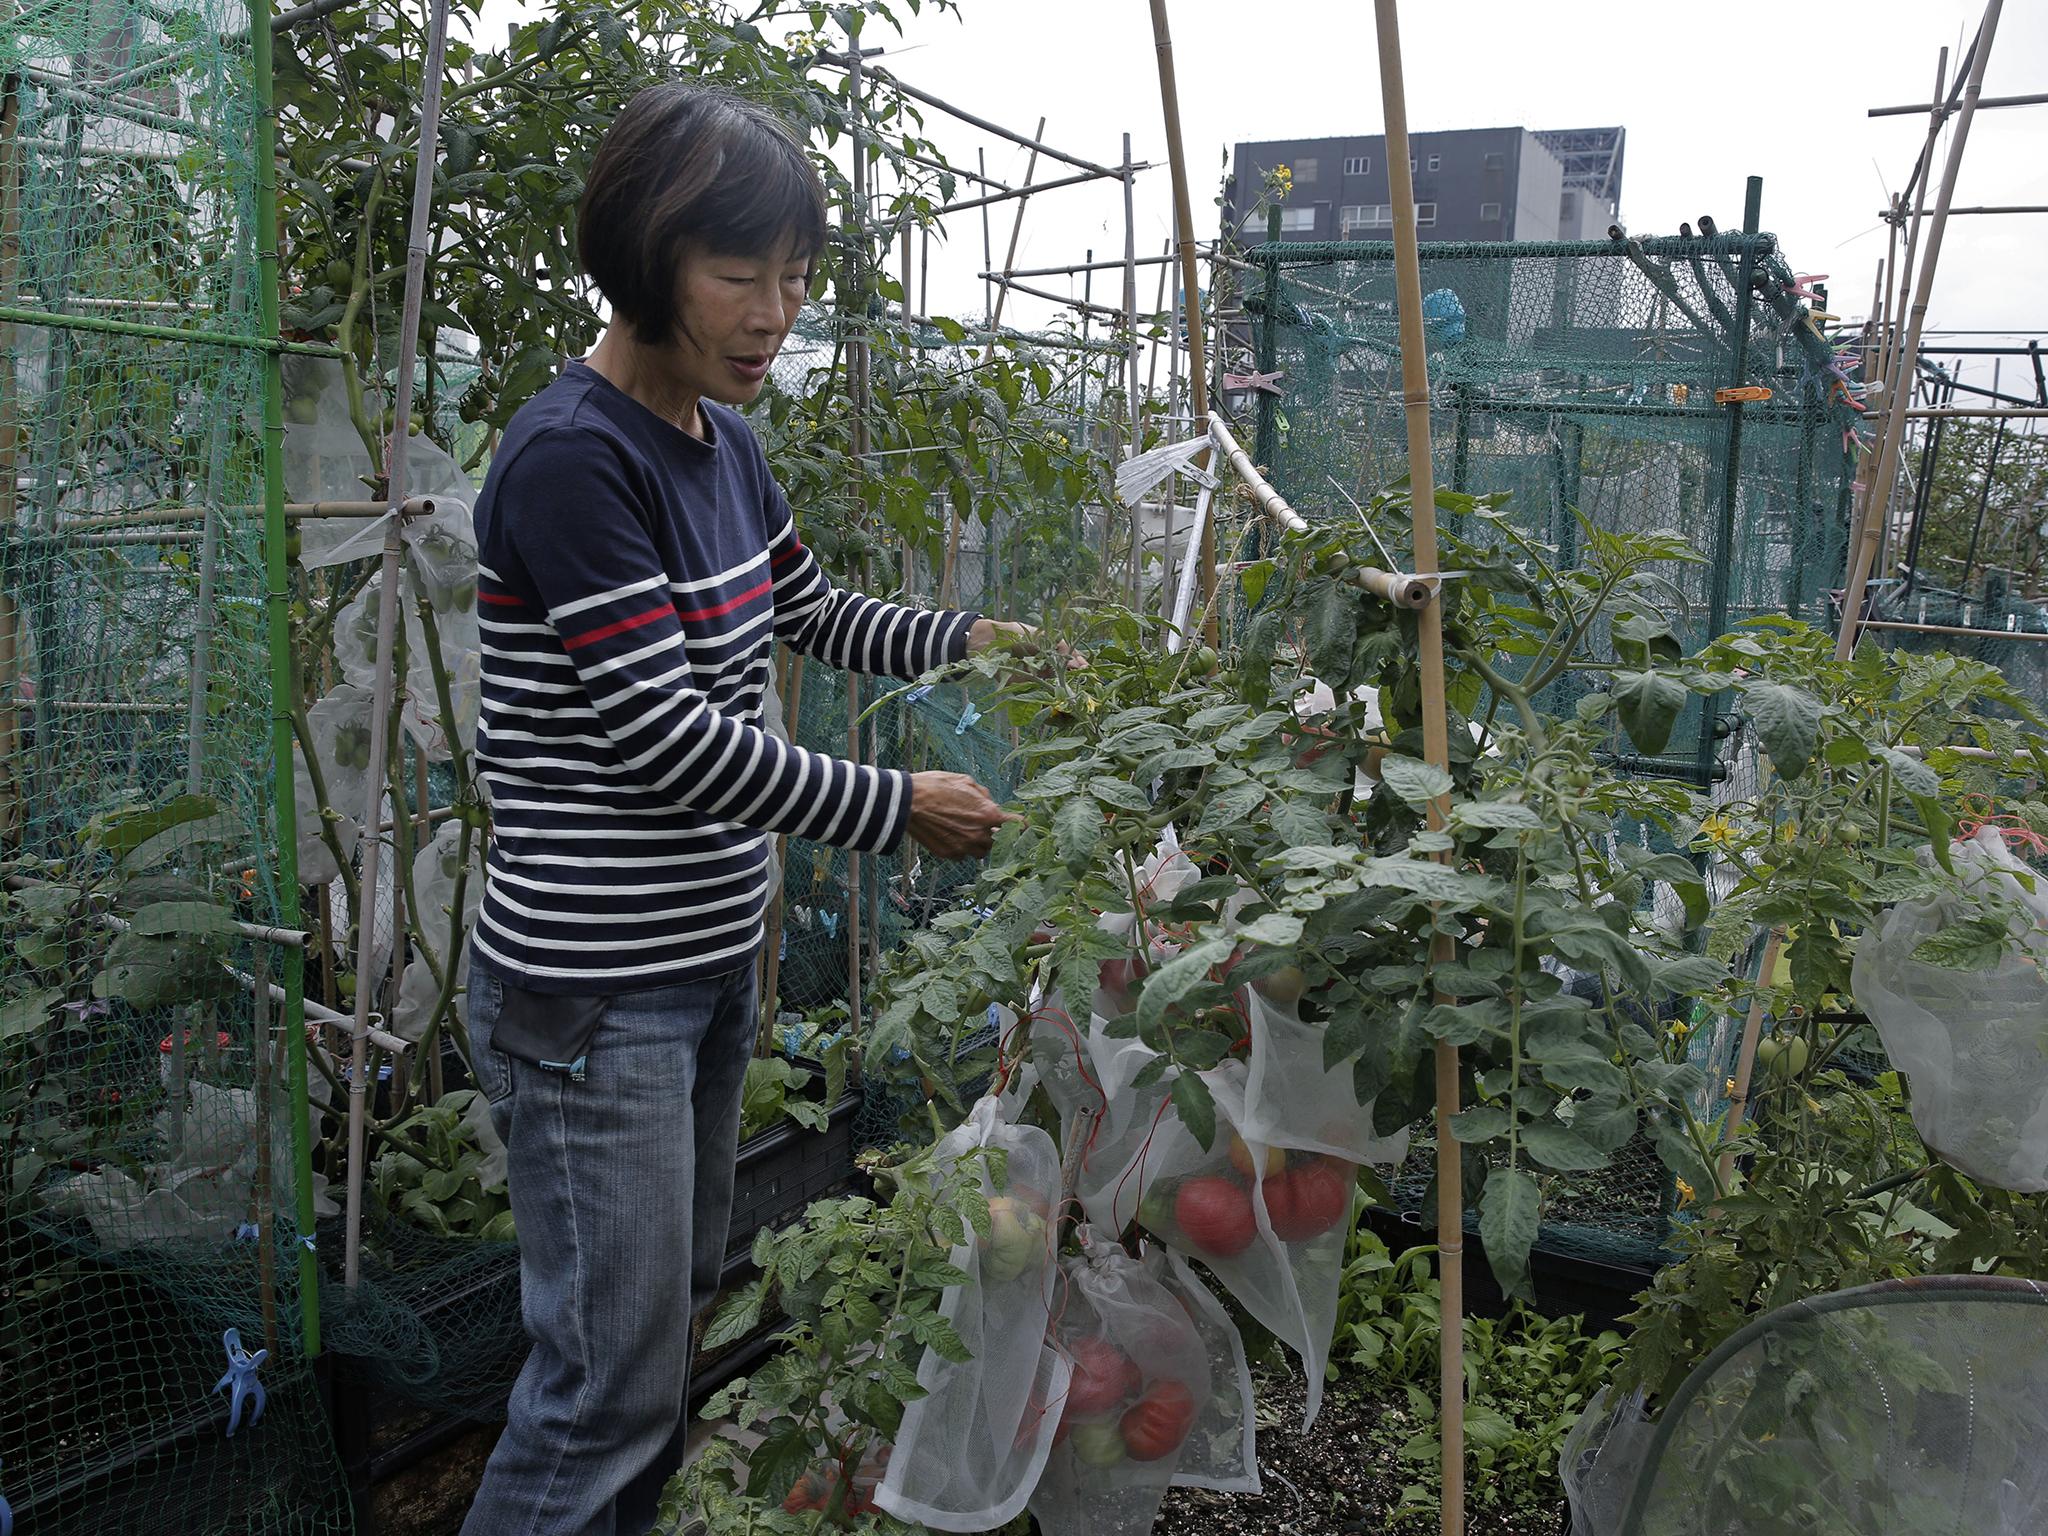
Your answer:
<point x="146" y="1154"/>
<point x="1581" y="379"/>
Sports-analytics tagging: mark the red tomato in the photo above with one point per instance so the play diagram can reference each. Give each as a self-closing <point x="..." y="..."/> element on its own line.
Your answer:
<point x="1159" y="1421"/>
<point x="1102" y="1378"/>
<point x="1309" y="1199"/>
<point x="1216" y="1215"/>
<point x="812" y="1491"/>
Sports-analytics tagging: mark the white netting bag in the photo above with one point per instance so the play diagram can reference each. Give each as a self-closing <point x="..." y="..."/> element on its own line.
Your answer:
<point x="459" y="649"/>
<point x="315" y="859"/>
<point x="340" y="728"/>
<point x="326" y="460"/>
<point x="1602" y="1457"/>
<point x="434" y="871"/>
<point x="1139" y="1377"/>
<point x="1221" y="1451"/>
<point x="970" y="1451"/>
<point x="1974" y="1044"/>
<point x="1266" y="1206"/>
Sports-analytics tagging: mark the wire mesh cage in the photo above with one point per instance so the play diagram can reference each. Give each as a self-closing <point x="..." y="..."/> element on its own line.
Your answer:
<point x="154" y="1334"/>
<point x="1605" y="387"/>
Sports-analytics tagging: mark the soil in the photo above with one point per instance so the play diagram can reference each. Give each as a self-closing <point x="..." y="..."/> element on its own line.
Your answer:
<point x="1343" y="1478"/>
<point x="431" y="1497"/>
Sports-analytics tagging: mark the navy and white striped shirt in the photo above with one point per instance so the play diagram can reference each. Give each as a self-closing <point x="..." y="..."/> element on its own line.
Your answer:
<point x="633" y="582"/>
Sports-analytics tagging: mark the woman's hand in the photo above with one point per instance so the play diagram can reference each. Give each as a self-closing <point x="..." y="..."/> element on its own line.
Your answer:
<point x="1021" y="639"/>
<point x="952" y="816"/>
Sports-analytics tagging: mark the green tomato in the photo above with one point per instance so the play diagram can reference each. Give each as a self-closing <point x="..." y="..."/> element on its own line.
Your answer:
<point x="1767" y="1053"/>
<point x="1793" y="1059"/>
<point x="1016" y="1237"/>
<point x="1098" y="1445"/>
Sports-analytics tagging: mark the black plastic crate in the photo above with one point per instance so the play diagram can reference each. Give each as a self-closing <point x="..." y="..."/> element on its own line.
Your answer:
<point x="784" y="1169"/>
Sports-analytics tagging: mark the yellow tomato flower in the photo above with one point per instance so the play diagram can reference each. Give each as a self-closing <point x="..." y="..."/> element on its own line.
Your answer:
<point x="1685" y="1194"/>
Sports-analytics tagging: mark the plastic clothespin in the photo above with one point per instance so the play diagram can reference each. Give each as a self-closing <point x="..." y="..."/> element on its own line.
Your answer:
<point x="6" y="1517"/>
<point x="968" y="718"/>
<point x="829" y="921"/>
<point x="247" y="1232"/>
<point x="306" y="1242"/>
<point x="917" y="693"/>
<point x="240" y="1382"/>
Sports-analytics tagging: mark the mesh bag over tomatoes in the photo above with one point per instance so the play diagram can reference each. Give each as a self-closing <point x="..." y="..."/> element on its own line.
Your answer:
<point x="1221" y="1452"/>
<point x="1269" y="1222"/>
<point x="969" y="1452"/>
<point x="1138" y="1383"/>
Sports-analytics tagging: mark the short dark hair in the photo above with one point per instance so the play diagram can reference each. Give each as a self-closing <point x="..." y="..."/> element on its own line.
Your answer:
<point x="685" y="165"/>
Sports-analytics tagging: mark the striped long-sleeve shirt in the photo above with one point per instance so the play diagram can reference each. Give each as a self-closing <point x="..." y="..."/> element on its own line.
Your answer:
<point x="633" y="582"/>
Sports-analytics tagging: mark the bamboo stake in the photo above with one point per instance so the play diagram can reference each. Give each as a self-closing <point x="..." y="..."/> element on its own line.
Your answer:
<point x="1450" y="1205"/>
<point x="1034" y="145"/>
<point x="417" y="240"/>
<point x="1191" y="279"/>
<point x="1132" y="443"/>
<point x="1956" y="629"/>
<point x="1010" y="256"/>
<point x="1745" y="1059"/>
<point x="1876" y="493"/>
<point x="771" y="944"/>
<point x="260" y="1192"/>
<point x="857" y="381"/>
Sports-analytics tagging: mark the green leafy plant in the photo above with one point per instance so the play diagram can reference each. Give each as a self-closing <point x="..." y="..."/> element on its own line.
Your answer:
<point x="445" y="1171"/>
<point x="1527" y="1378"/>
<point x="858" y="1281"/>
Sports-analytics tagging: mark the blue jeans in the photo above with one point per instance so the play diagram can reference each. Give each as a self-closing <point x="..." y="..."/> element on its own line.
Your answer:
<point x="621" y="1188"/>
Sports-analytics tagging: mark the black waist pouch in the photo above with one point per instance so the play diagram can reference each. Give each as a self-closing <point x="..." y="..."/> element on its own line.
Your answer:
<point x="546" y="1030"/>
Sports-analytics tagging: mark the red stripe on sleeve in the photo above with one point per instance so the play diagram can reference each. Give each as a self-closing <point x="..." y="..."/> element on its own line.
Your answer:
<point x="786" y="556"/>
<point x="499" y="599"/>
<point x="605" y="632"/>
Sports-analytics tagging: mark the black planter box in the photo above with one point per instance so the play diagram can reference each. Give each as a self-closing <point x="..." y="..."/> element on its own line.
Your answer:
<point x="784" y="1169"/>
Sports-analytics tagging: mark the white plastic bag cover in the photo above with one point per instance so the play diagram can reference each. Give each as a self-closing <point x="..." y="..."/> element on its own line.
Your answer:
<point x="325" y="460"/>
<point x="316" y="861"/>
<point x="1602" y="1457"/>
<point x="1139" y="1375"/>
<point x="339" y="725"/>
<point x="355" y="649"/>
<point x="970" y="1451"/>
<point x="1974" y="1044"/>
<point x="1222" y="1450"/>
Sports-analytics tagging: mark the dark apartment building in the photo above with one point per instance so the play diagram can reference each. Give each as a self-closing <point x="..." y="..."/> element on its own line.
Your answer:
<point x="1470" y="184"/>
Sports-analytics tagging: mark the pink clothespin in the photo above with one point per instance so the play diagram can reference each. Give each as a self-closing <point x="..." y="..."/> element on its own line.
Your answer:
<point x="1269" y="382"/>
<point x="1802" y="285"/>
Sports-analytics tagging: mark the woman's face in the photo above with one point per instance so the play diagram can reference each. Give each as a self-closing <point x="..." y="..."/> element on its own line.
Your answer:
<point x="736" y="311"/>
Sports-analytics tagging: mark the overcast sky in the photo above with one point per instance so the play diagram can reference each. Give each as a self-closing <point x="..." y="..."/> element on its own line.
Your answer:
<point x="1708" y="97"/>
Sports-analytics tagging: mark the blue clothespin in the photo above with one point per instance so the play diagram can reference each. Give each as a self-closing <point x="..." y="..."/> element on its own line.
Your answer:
<point x="6" y="1517"/>
<point x="968" y="718"/>
<point x="240" y="1382"/>
<point x="247" y="1232"/>
<point x="995" y="1017"/>
<point x="306" y="1242"/>
<point x="829" y="921"/>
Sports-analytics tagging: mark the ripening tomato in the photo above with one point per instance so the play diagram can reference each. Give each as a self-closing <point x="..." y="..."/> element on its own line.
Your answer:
<point x="1103" y="1376"/>
<point x="1159" y="1421"/>
<point x="1308" y="1199"/>
<point x="1216" y="1216"/>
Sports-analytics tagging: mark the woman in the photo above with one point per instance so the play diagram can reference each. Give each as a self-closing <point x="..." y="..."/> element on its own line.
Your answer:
<point x="638" y="565"/>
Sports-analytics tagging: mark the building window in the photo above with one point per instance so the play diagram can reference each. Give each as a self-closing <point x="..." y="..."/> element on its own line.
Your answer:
<point x="1368" y="216"/>
<point x="1305" y="169"/>
<point x="1495" y="160"/>
<point x="1357" y="165"/>
<point x="1411" y="165"/>
<point x="1298" y="221"/>
<point x="1425" y="213"/>
<point x="1489" y="213"/>
<point x="1436" y="162"/>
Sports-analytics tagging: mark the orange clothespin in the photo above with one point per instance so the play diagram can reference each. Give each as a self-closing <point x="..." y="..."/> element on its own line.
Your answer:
<point x="1745" y="393"/>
